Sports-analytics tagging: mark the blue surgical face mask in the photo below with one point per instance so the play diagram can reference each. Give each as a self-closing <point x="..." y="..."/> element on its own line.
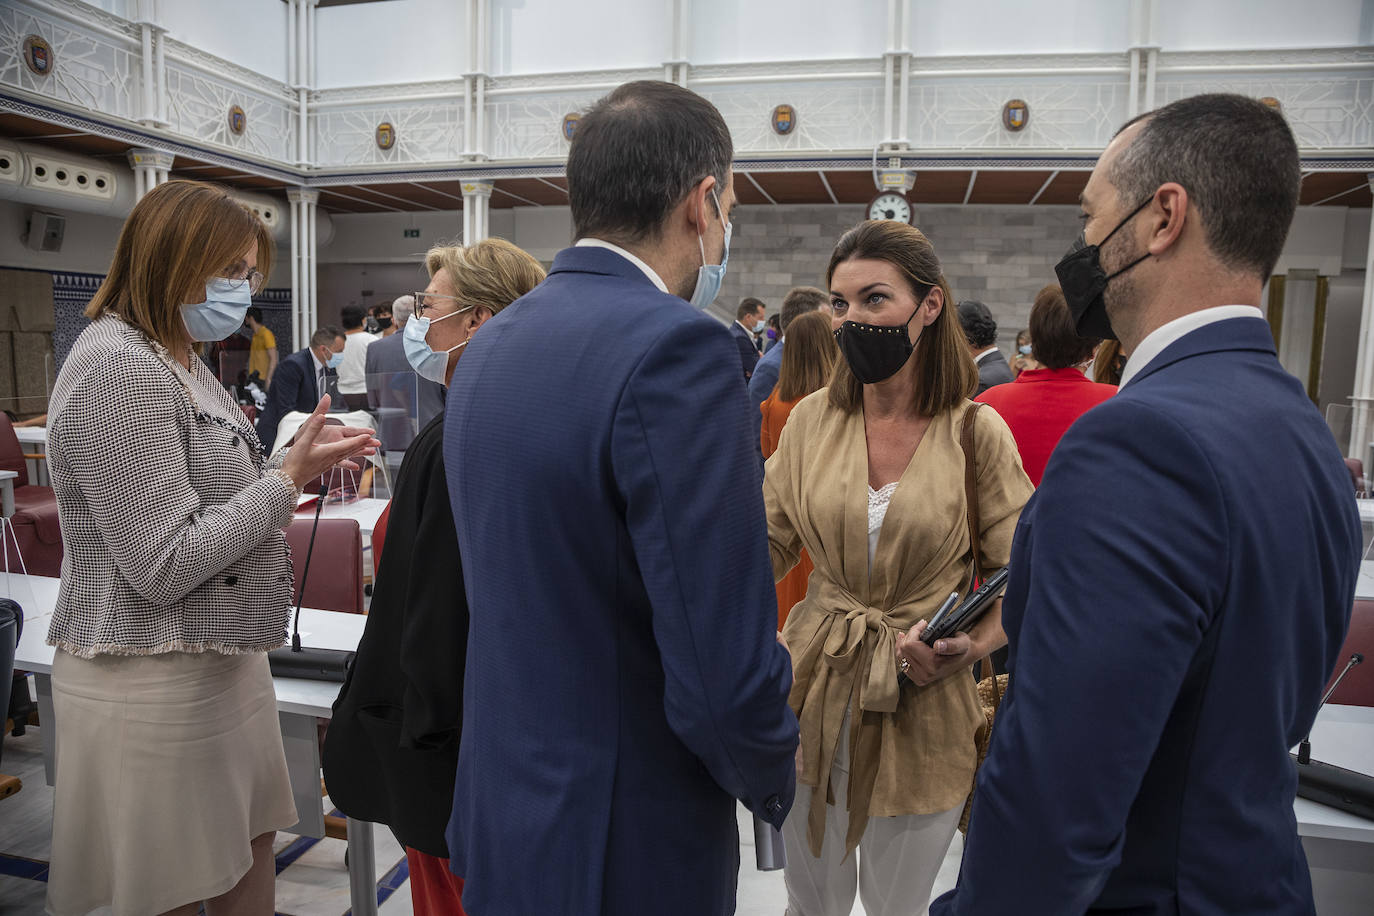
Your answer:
<point x="335" y="361"/>
<point x="222" y="313"/>
<point x="709" y="276"/>
<point x="758" y="328"/>
<point x="427" y="362"/>
<point x="1024" y="350"/>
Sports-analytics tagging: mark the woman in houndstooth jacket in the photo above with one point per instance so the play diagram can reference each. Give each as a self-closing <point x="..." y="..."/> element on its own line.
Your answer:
<point x="171" y="779"/>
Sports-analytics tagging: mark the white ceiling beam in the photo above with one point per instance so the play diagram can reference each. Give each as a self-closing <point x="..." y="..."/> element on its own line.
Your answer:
<point x="766" y="196"/>
<point x="1053" y="176"/>
<point x="828" y="190"/>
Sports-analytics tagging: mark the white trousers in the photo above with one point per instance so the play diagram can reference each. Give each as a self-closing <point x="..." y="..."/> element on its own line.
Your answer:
<point x="898" y="857"/>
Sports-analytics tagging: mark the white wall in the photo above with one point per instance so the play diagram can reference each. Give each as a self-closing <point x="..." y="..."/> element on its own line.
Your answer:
<point x="399" y="41"/>
<point x="1316" y="241"/>
<point x="551" y="36"/>
<point x="251" y="33"/>
<point x="727" y="31"/>
<point x="379" y="238"/>
<point x="87" y="245"/>
<point x="954" y="27"/>
<point x="1188" y="25"/>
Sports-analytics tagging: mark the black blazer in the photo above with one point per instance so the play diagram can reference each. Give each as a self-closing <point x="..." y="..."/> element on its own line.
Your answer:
<point x="748" y="353"/>
<point x="392" y="748"/>
<point x="293" y="388"/>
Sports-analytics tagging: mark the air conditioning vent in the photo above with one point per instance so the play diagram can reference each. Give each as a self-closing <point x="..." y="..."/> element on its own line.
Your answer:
<point x="9" y="165"/>
<point x="54" y="174"/>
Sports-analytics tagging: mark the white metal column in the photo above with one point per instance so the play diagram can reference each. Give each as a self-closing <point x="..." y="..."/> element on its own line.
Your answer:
<point x="304" y="298"/>
<point x="1362" y="399"/>
<point x="476" y="210"/>
<point x="150" y="169"/>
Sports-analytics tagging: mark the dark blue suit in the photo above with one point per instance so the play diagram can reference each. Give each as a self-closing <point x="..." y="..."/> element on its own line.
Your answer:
<point x="1181" y="585"/>
<point x="294" y="387"/>
<point x="744" y="343"/>
<point x="624" y="685"/>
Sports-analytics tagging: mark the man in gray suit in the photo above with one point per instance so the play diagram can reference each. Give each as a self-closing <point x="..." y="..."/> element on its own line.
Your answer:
<point x="980" y="330"/>
<point x="403" y="401"/>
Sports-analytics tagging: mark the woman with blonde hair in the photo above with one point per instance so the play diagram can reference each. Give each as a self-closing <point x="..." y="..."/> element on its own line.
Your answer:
<point x="869" y="478"/>
<point x="807" y="361"/>
<point x="392" y="749"/>
<point x="171" y="777"/>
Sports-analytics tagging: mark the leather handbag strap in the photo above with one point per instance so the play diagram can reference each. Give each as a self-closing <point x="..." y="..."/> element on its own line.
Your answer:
<point x="975" y="543"/>
<point x="971" y="489"/>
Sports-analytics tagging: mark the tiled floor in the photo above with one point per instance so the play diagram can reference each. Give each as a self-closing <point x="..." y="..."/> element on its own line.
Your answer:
<point x="316" y="882"/>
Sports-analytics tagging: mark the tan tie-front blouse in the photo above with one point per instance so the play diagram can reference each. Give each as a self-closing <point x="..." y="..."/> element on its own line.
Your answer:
<point x="911" y="748"/>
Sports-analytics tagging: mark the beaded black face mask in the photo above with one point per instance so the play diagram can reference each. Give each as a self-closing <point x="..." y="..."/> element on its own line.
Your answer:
<point x="875" y="352"/>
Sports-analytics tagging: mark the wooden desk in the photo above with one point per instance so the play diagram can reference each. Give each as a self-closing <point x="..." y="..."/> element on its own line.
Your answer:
<point x="301" y="704"/>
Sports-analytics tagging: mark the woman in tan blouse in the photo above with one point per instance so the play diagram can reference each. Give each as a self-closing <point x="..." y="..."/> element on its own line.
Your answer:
<point x="869" y="479"/>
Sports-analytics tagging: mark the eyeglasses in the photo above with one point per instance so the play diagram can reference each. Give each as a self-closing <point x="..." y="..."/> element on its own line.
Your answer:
<point x="253" y="278"/>
<point x="429" y="300"/>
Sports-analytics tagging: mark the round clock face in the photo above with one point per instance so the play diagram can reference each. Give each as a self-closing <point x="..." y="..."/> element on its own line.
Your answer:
<point x="890" y="206"/>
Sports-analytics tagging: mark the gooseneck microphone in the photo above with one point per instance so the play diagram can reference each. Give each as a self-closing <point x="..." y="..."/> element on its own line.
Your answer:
<point x="300" y="662"/>
<point x="1331" y="785"/>
<point x="1305" y="748"/>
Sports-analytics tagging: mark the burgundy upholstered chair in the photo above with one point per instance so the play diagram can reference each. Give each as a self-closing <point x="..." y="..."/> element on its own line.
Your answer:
<point x="35" y="512"/>
<point x="336" y="568"/>
<point x="1358" y="687"/>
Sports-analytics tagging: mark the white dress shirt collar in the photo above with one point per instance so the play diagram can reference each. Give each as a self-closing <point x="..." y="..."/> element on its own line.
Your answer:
<point x="648" y="271"/>
<point x="1161" y="337"/>
<point x="982" y="356"/>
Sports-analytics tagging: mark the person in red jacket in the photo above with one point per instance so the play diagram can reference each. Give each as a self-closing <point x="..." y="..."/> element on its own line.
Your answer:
<point x="1043" y="403"/>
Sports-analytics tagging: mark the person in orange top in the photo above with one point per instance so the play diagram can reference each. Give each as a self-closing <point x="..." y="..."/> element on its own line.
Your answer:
<point x="807" y="360"/>
<point x="1043" y="403"/>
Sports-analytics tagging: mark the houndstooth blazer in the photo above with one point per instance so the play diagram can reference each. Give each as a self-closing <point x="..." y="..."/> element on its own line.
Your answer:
<point x="172" y="534"/>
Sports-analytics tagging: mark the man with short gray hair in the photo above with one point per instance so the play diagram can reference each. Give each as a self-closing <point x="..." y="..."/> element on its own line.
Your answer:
<point x="1182" y="582"/>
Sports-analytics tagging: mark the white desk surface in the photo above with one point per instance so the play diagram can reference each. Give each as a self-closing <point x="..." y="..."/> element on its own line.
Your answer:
<point x="1366" y="507"/>
<point x="8" y="475"/>
<point x="1342" y="736"/>
<point x="366" y="511"/>
<point x="34" y="435"/>
<point x="1364" y="585"/>
<point x="319" y="629"/>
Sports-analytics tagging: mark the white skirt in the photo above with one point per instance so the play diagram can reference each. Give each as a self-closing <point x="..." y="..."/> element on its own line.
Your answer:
<point x="167" y="767"/>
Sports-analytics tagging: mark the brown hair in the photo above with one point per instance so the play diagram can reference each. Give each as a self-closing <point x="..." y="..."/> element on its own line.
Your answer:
<point x="748" y="306"/>
<point x="800" y="300"/>
<point x="178" y="236"/>
<point x="945" y="374"/>
<point x="808" y="357"/>
<point x="490" y="274"/>
<point x="1106" y="369"/>
<point x="1054" y="342"/>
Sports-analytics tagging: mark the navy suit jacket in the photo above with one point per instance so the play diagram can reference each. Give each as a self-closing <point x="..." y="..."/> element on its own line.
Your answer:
<point x="744" y="342"/>
<point x="624" y="683"/>
<point x="1181" y="584"/>
<point x="294" y="387"/>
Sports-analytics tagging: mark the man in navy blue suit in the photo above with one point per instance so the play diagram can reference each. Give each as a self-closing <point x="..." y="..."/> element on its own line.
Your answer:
<point x="1183" y="578"/>
<point x="300" y="381"/>
<point x="624" y="681"/>
<point x="748" y="323"/>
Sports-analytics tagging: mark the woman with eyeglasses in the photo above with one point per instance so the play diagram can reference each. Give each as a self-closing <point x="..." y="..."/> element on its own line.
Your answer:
<point x="392" y="750"/>
<point x="869" y="478"/>
<point x="171" y="777"/>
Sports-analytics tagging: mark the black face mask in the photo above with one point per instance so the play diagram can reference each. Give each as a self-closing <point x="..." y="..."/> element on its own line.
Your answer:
<point x="875" y="352"/>
<point x="383" y="323"/>
<point x="1083" y="281"/>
